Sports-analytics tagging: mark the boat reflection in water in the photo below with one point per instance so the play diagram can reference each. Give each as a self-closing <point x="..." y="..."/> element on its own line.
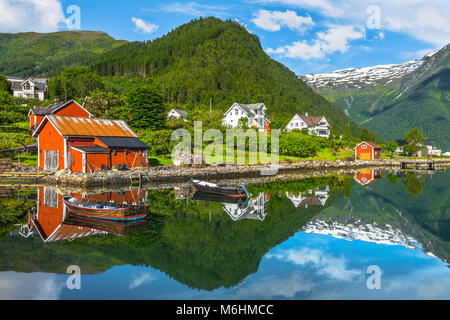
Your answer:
<point x="53" y="221"/>
<point x="368" y="176"/>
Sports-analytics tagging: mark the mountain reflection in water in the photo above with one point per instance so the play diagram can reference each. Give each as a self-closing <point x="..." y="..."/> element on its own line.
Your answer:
<point x="288" y="229"/>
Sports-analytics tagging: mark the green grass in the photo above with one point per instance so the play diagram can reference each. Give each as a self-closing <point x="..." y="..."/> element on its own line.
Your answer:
<point x="30" y="160"/>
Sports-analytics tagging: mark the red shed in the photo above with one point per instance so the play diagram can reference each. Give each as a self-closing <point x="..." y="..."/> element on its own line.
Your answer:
<point x="368" y="151"/>
<point x="86" y="145"/>
<point x="64" y="109"/>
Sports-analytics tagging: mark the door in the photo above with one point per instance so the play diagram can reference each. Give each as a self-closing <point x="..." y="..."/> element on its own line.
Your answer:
<point x="365" y="155"/>
<point x="51" y="161"/>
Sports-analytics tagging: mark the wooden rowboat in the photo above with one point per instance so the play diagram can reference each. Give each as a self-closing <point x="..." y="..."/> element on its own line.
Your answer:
<point x="105" y="210"/>
<point x="222" y="190"/>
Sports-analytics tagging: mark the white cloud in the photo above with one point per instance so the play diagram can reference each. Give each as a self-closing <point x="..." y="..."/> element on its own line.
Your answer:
<point x="274" y="20"/>
<point x="332" y="267"/>
<point x="272" y="286"/>
<point x="140" y="280"/>
<point x="424" y="20"/>
<point x="335" y="39"/>
<point x="144" y="26"/>
<point x="33" y="286"/>
<point x="31" y="15"/>
<point x="195" y="9"/>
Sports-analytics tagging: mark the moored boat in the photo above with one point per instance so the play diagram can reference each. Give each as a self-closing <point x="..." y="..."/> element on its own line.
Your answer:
<point x="222" y="190"/>
<point x="105" y="210"/>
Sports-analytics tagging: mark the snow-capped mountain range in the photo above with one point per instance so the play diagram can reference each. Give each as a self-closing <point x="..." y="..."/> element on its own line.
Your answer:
<point x="362" y="77"/>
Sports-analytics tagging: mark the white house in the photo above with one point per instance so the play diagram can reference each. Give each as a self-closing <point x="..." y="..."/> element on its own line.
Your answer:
<point x="30" y="88"/>
<point x="255" y="113"/>
<point x="177" y="114"/>
<point x="315" y="125"/>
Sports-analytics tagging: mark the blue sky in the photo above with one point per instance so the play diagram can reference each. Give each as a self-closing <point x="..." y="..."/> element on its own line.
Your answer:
<point x="308" y="36"/>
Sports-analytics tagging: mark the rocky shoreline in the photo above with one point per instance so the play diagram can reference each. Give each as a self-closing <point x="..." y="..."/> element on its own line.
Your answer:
<point x="169" y="174"/>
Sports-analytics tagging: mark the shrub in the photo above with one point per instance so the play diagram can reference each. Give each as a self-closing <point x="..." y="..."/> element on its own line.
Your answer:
<point x="300" y="145"/>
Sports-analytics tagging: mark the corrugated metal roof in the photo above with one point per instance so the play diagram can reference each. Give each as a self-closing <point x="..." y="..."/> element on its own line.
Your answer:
<point x="372" y="144"/>
<point x="69" y="126"/>
<point x="123" y="143"/>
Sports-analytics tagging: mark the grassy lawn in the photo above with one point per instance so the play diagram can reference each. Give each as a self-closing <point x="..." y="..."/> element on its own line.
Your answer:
<point x="325" y="154"/>
<point x="30" y="160"/>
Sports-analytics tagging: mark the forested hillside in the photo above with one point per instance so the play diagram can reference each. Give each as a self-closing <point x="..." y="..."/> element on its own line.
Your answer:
<point x="47" y="54"/>
<point x="209" y="60"/>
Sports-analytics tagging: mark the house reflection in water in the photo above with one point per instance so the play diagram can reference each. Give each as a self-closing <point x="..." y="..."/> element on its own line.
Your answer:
<point x="252" y="209"/>
<point x="368" y="176"/>
<point x="310" y="198"/>
<point x="52" y="221"/>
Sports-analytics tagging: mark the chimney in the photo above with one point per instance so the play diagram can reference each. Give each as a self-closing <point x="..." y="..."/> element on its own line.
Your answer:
<point x="306" y="114"/>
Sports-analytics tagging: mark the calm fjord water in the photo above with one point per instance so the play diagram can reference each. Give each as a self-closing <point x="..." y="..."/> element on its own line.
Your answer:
<point x="319" y="238"/>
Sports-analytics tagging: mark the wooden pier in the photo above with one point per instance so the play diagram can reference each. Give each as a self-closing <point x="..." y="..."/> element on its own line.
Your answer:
<point x="422" y="164"/>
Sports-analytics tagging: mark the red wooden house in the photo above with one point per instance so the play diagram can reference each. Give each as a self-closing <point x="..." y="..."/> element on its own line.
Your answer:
<point x="63" y="109"/>
<point x="368" y="151"/>
<point x="86" y="145"/>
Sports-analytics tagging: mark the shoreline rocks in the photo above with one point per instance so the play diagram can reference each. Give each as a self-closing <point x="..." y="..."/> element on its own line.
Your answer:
<point x="172" y="174"/>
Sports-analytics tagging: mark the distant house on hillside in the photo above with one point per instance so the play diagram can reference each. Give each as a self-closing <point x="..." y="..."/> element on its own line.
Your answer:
<point x="29" y="88"/>
<point x="65" y="109"/>
<point x="432" y="151"/>
<point x="254" y="113"/>
<point x="318" y="126"/>
<point x="177" y="114"/>
<point x="86" y="145"/>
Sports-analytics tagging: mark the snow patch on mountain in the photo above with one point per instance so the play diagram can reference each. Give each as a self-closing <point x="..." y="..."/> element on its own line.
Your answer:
<point x="362" y="77"/>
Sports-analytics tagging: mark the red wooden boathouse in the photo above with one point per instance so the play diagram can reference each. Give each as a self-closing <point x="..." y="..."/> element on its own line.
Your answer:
<point x="86" y="145"/>
<point x="368" y="151"/>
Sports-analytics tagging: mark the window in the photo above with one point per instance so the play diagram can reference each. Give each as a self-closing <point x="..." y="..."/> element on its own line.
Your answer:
<point x="237" y="112"/>
<point x="364" y="147"/>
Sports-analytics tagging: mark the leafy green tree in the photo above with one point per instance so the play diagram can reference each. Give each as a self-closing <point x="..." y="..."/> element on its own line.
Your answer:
<point x="243" y="123"/>
<point x="366" y="135"/>
<point x="414" y="141"/>
<point x="5" y="98"/>
<point x="74" y="83"/>
<point x="347" y="136"/>
<point x="107" y="105"/>
<point x="392" y="146"/>
<point x="148" y="110"/>
<point x="4" y="84"/>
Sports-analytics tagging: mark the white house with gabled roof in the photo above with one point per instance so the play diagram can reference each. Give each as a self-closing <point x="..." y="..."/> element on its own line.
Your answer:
<point x="255" y="113"/>
<point x="29" y="88"/>
<point x="316" y="125"/>
<point x="177" y="114"/>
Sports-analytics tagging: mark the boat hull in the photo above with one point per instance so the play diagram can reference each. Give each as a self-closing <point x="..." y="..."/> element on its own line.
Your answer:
<point x="210" y="188"/>
<point x="87" y="208"/>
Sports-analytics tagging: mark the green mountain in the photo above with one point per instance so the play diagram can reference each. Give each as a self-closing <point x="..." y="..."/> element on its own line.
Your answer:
<point x="210" y="60"/>
<point x="393" y="99"/>
<point x="47" y="54"/>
